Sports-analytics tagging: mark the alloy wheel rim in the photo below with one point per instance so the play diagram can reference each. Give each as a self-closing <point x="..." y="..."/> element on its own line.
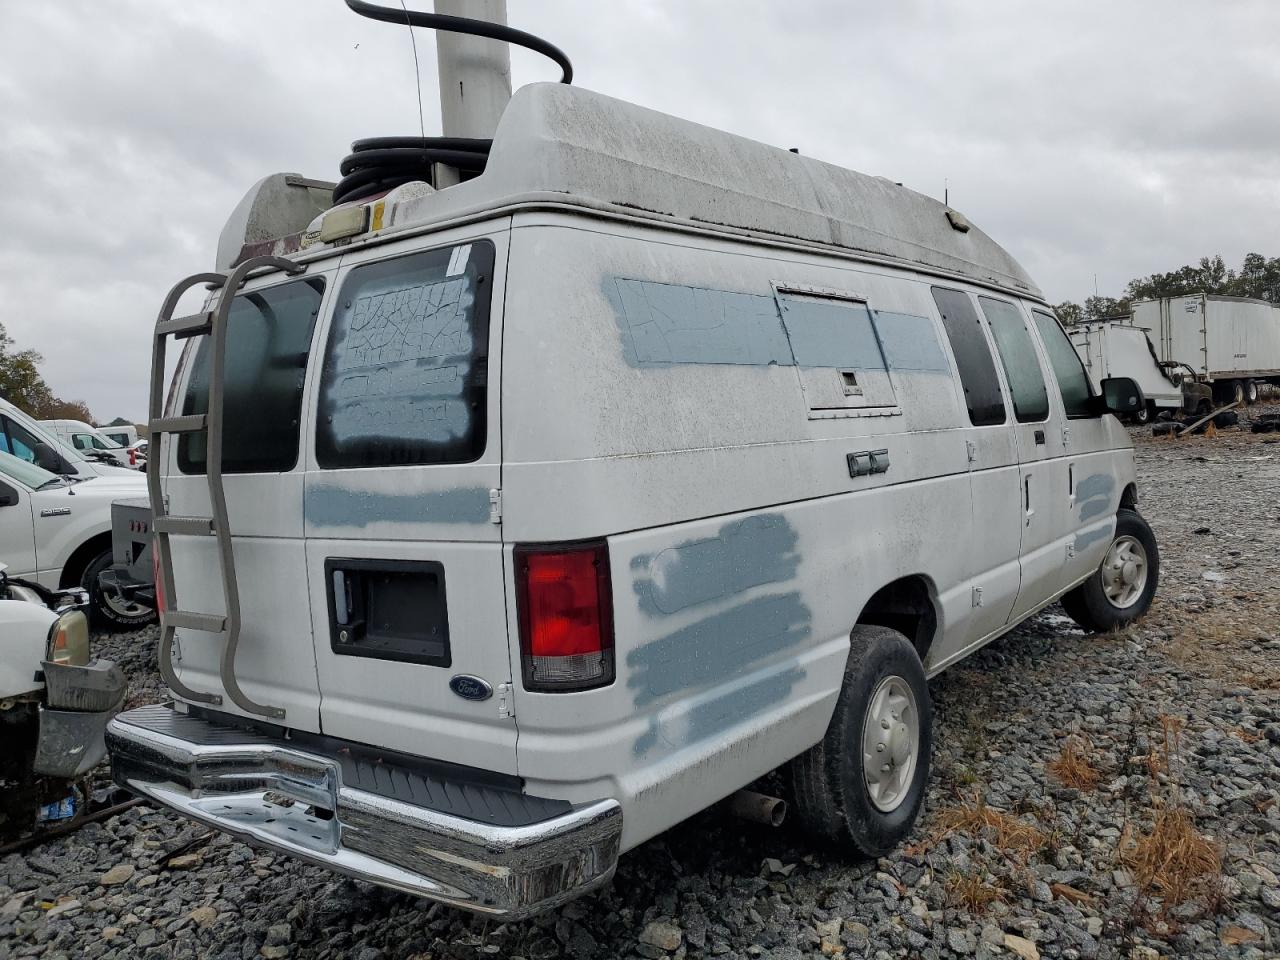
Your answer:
<point x="890" y="743"/>
<point x="1124" y="572"/>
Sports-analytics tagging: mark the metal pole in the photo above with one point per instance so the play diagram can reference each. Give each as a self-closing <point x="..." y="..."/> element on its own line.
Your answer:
<point x="475" y="72"/>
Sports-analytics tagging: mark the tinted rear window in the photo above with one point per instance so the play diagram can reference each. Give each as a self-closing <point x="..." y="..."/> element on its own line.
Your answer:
<point x="973" y="356"/>
<point x="268" y="339"/>
<point x="406" y="368"/>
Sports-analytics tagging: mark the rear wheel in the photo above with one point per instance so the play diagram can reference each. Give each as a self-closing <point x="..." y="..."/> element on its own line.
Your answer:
<point x="863" y="784"/>
<point x="1251" y="391"/>
<point x="1122" y="587"/>
<point x="108" y="610"/>
<point x="1142" y="415"/>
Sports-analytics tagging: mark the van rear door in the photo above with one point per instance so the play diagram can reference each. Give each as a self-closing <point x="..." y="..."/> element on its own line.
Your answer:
<point x="404" y="554"/>
<point x="269" y="336"/>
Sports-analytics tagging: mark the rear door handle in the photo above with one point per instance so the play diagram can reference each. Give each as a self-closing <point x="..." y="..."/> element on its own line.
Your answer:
<point x="1040" y="437"/>
<point x="1027" y="491"/>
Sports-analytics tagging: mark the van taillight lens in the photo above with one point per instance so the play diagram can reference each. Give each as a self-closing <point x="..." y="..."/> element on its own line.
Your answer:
<point x="133" y="457"/>
<point x="565" y="608"/>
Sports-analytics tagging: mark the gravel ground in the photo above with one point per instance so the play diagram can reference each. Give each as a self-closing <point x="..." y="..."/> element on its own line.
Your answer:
<point x="1083" y="756"/>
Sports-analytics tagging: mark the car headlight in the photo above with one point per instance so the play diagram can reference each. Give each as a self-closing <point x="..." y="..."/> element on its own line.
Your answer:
<point x="69" y="639"/>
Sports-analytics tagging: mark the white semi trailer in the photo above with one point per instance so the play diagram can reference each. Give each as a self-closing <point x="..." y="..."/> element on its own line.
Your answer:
<point x="1115" y="348"/>
<point x="1231" y="342"/>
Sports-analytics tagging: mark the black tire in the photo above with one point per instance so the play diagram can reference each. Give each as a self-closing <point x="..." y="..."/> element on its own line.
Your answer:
<point x="1250" y="392"/>
<point x="1227" y="418"/>
<point x="1142" y="415"/>
<point x="1164" y="429"/>
<point x="102" y="611"/>
<point x="1089" y="605"/>
<point x="1203" y="408"/>
<point x="830" y="792"/>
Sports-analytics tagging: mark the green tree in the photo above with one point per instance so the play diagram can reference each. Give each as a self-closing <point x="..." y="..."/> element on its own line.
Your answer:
<point x="1069" y="313"/>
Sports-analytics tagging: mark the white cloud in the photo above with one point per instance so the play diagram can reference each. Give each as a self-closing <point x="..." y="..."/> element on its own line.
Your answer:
<point x="1087" y="137"/>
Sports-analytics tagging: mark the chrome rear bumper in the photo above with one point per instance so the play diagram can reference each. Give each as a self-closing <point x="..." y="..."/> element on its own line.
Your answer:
<point x="271" y="793"/>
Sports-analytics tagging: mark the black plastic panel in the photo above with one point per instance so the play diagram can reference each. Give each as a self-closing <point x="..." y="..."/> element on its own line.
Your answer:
<point x="388" y="610"/>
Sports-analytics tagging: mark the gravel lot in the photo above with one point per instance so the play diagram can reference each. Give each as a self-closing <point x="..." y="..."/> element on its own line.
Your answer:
<point x="1067" y="770"/>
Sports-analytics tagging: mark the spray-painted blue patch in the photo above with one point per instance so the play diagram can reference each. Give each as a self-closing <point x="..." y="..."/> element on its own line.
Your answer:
<point x="910" y="343"/>
<point x="746" y="553"/>
<point x="718" y="646"/>
<point x="831" y="333"/>
<point x="1091" y="537"/>
<point x="1094" y="495"/>
<point x="717" y="714"/>
<point x="334" y="506"/>
<point x="665" y="323"/>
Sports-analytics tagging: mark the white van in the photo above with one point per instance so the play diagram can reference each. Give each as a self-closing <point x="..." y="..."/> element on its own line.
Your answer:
<point x="125" y="435"/>
<point x="89" y="440"/>
<point x="556" y="505"/>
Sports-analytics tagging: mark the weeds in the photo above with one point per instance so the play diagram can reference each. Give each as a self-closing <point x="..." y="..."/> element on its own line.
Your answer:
<point x="1010" y="835"/>
<point x="969" y="892"/>
<point x="1174" y="861"/>
<point x="1073" y="767"/>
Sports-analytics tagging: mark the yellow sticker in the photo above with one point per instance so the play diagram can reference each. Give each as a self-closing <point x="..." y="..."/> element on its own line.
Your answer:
<point x="377" y="214"/>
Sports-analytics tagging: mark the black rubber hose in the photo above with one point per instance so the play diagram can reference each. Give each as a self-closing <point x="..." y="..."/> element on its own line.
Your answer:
<point x="478" y="28"/>
<point x="378" y="164"/>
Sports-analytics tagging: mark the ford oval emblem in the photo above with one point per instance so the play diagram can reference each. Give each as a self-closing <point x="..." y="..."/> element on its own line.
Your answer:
<point x="470" y="688"/>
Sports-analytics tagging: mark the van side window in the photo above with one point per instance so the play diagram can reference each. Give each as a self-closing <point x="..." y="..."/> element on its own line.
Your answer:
<point x="1067" y="368"/>
<point x="1019" y="358"/>
<point x="405" y="375"/>
<point x="268" y="339"/>
<point x="973" y="356"/>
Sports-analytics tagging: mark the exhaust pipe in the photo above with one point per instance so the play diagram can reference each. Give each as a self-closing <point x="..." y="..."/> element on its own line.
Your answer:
<point x="758" y="808"/>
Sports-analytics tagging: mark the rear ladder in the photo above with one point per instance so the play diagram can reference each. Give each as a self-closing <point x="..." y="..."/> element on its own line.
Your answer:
<point x="211" y="323"/>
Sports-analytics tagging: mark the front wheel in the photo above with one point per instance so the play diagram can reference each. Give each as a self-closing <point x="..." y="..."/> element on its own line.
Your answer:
<point x="863" y="784"/>
<point x="108" y="610"/>
<point x="1121" y="589"/>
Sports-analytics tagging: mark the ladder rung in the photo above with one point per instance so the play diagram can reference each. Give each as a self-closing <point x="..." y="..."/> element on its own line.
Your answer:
<point x="187" y="526"/>
<point x="187" y="424"/>
<point x="193" y="326"/>
<point x="193" y="621"/>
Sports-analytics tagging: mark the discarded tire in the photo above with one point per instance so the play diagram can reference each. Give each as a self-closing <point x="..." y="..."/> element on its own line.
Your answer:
<point x="1164" y="429"/>
<point x="1228" y="418"/>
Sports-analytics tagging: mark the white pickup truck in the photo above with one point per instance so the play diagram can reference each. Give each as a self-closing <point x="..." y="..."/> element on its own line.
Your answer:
<point x="56" y="531"/>
<point x="55" y="700"/>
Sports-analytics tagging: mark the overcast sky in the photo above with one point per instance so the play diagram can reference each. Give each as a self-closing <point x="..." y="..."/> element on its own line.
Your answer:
<point x="1115" y="139"/>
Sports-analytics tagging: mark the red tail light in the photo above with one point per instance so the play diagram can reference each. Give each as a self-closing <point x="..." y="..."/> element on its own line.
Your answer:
<point x="564" y="603"/>
<point x="156" y="578"/>
<point x="133" y="457"/>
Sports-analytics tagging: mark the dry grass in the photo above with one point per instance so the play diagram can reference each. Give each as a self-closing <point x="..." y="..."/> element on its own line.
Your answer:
<point x="1012" y="836"/>
<point x="1174" y="861"/>
<point x="1216" y="642"/>
<point x="969" y="892"/>
<point x="1073" y="767"/>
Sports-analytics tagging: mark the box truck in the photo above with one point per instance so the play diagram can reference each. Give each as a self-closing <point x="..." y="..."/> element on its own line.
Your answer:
<point x="1116" y="348"/>
<point x="1232" y="342"/>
